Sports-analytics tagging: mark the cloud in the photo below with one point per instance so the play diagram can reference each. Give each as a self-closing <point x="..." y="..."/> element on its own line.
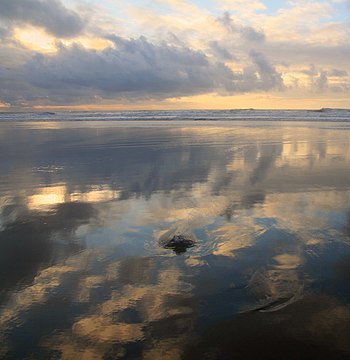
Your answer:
<point x="178" y="49"/>
<point x="338" y="73"/>
<point x="251" y="34"/>
<point x="247" y="32"/>
<point x="311" y="71"/>
<point x="319" y="79"/>
<point x="245" y="8"/>
<point x="220" y="51"/>
<point x="3" y="33"/>
<point x="50" y="15"/>
<point x="300" y="53"/>
<point x="321" y="82"/>
<point x="269" y="77"/>
<point x="134" y="67"/>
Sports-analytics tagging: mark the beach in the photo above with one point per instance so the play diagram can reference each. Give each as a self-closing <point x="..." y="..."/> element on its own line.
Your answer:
<point x="87" y="207"/>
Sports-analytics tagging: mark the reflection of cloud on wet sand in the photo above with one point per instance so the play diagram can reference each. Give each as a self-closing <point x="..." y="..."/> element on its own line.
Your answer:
<point x="232" y="237"/>
<point x="43" y="285"/>
<point x="101" y="329"/>
<point x="157" y="302"/>
<point x="30" y="240"/>
<point x="50" y="196"/>
<point x="315" y="216"/>
<point x="161" y="300"/>
<point x="255" y="200"/>
<point x="203" y="153"/>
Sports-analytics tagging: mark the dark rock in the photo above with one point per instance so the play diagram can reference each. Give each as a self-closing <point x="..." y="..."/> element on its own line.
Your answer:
<point x="178" y="243"/>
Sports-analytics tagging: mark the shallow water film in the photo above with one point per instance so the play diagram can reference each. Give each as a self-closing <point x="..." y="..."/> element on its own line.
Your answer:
<point x="172" y="241"/>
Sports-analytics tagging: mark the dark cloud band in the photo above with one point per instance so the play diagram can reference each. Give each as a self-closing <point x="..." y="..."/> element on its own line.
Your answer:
<point x="51" y="15"/>
<point x="133" y="67"/>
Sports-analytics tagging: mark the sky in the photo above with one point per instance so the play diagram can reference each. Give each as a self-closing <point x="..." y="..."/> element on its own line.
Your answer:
<point x="174" y="54"/>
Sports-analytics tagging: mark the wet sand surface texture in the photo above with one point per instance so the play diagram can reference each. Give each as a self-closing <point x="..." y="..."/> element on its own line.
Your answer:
<point x="174" y="241"/>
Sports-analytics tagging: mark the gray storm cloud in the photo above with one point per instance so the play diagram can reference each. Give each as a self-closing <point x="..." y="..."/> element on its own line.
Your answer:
<point x="3" y="33"/>
<point x="132" y="67"/>
<point x="319" y="79"/>
<point x="321" y="83"/>
<point x="220" y="51"/>
<point x="247" y="32"/>
<point x="269" y="77"/>
<point x="50" y="15"/>
<point x="338" y="73"/>
<point x="136" y="66"/>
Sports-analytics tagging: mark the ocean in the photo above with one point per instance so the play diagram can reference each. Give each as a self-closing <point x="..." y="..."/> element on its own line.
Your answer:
<point x="175" y="235"/>
<point x="324" y="114"/>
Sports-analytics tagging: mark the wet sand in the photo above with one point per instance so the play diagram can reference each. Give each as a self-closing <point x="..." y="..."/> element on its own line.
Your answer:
<point x="86" y="209"/>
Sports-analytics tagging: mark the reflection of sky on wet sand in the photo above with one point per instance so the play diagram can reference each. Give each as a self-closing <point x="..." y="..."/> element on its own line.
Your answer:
<point x="83" y="209"/>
